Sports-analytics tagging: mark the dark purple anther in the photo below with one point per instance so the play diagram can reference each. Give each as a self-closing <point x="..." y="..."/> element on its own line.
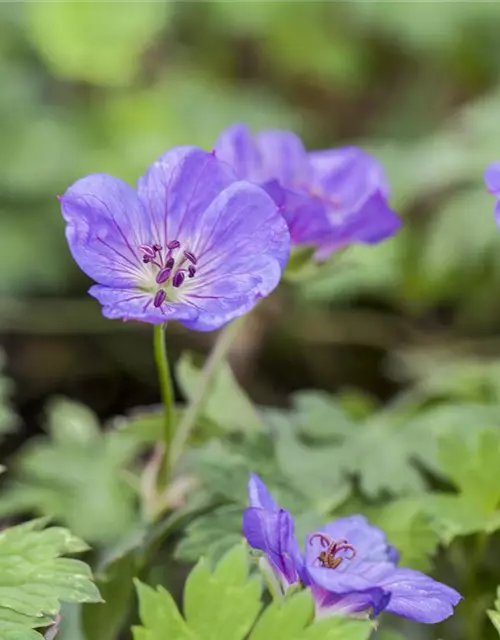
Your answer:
<point x="159" y="298"/>
<point x="163" y="275"/>
<point x="191" y="271"/>
<point x="178" y="279"/>
<point x="148" y="251"/>
<point x="146" y="259"/>
<point x="173" y="244"/>
<point x="169" y="263"/>
<point x="157" y="247"/>
<point x="191" y="257"/>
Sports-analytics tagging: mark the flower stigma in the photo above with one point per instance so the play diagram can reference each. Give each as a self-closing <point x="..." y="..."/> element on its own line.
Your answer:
<point x="327" y="558"/>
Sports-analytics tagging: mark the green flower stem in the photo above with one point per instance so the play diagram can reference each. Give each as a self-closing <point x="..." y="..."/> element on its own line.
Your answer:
<point x="167" y="397"/>
<point x="215" y="359"/>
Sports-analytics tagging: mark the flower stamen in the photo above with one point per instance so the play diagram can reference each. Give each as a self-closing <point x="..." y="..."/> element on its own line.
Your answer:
<point x="170" y="271"/>
<point x="159" y="298"/>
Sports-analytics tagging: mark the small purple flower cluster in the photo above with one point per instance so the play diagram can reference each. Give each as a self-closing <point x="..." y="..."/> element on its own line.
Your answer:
<point x="348" y="565"/>
<point x="204" y="235"/>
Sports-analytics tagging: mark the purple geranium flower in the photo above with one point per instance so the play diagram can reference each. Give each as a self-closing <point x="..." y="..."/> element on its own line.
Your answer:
<point x="329" y="198"/>
<point x="348" y="564"/>
<point x="192" y="243"/>
<point x="492" y="179"/>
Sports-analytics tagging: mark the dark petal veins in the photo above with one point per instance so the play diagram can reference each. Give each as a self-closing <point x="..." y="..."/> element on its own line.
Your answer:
<point x="106" y="225"/>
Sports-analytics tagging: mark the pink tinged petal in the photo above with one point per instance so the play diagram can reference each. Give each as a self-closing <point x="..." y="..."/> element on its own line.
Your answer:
<point x="106" y="226"/>
<point x="348" y="175"/>
<point x="418" y="597"/>
<point x="258" y="494"/>
<point x="492" y="178"/>
<point x="278" y="193"/>
<point x="177" y="189"/>
<point x="306" y="217"/>
<point x="370" y="602"/>
<point x="282" y="158"/>
<point x="236" y="146"/>
<point x="372" y="222"/>
<point x="132" y="304"/>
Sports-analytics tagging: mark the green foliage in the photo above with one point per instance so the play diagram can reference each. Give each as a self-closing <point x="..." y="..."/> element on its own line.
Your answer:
<point x="285" y="620"/>
<point x="494" y="614"/>
<point x="225" y="603"/>
<point x="76" y="474"/>
<point x="16" y="626"/>
<point x="314" y="452"/>
<point x="292" y="620"/>
<point x="471" y="464"/>
<point x="8" y="418"/>
<point x="115" y="583"/>
<point x="409" y="529"/>
<point x="97" y="42"/>
<point x="222" y="604"/>
<point x="108" y="86"/>
<point x="34" y="578"/>
<point x="214" y="534"/>
<point x="226" y="405"/>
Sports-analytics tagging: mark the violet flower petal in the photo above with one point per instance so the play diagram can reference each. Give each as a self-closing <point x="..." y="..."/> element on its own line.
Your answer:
<point x="130" y="304"/>
<point x="177" y="190"/>
<point x="237" y="147"/>
<point x="106" y="223"/>
<point x="373" y="222"/>
<point x="372" y="601"/>
<point x="258" y="494"/>
<point x="283" y="158"/>
<point x="242" y="246"/>
<point x="492" y="178"/>
<point x="273" y="533"/>
<point x="272" y="530"/>
<point x="418" y="597"/>
<point x="348" y="174"/>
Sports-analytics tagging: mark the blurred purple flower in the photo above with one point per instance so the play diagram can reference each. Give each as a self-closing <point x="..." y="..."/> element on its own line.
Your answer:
<point x="192" y="243"/>
<point x="329" y="198"/>
<point x="492" y="179"/>
<point x="348" y="564"/>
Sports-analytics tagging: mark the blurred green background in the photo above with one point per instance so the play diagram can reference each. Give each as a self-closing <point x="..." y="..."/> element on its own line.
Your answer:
<point x="108" y="86"/>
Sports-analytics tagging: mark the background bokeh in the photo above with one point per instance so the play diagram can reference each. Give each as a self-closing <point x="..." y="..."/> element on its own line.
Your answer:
<point x="108" y="86"/>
